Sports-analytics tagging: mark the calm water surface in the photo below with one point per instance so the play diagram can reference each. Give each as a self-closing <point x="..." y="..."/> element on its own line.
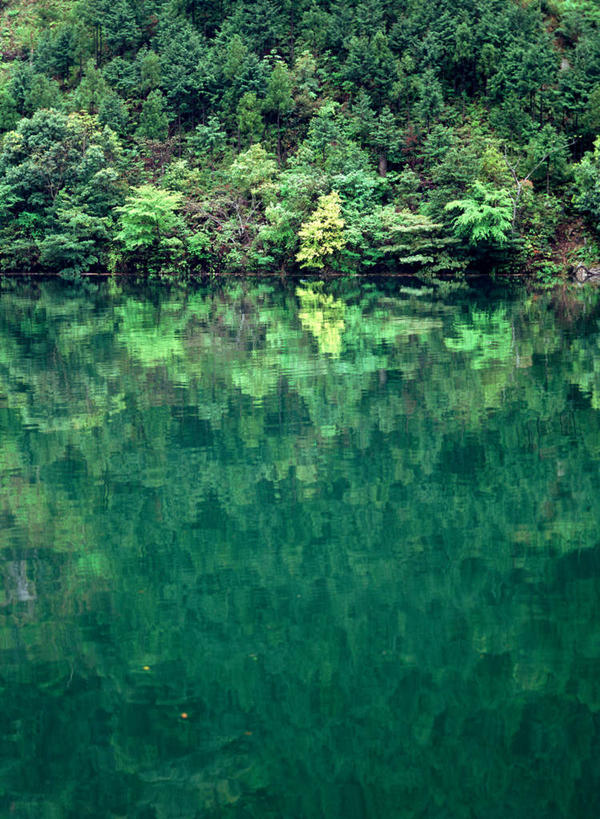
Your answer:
<point x="299" y="553"/>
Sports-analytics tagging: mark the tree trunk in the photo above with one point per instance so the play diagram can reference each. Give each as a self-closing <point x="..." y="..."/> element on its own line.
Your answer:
<point x="383" y="165"/>
<point x="279" y="139"/>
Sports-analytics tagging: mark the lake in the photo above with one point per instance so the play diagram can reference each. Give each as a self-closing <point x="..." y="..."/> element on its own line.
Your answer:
<point x="299" y="551"/>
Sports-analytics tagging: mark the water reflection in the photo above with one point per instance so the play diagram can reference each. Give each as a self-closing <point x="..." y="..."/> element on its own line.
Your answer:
<point x="309" y="551"/>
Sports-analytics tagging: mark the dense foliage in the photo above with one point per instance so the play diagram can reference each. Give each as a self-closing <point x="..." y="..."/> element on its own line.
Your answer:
<point x="451" y="134"/>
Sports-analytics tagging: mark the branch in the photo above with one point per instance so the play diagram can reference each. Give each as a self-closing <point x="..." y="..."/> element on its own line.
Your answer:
<point x="519" y="182"/>
<point x="547" y="156"/>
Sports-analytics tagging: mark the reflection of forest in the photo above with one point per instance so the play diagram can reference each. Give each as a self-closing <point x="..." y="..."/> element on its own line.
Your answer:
<point x="351" y="532"/>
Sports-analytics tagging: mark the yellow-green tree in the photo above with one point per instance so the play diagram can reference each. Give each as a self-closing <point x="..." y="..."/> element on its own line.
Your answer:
<point x="322" y="235"/>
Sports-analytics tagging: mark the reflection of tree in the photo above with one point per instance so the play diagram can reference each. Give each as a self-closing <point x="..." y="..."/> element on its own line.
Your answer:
<point x="367" y="593"/>
<point x="18" y="587"/>
<point x="323" y="316"/>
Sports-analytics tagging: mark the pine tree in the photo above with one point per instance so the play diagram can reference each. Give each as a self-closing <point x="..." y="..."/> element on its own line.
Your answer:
<point x="279" y="98"/>
<point x="150" y="71"/>
<point x="362" y="119"/>
<point x="113" y="112"/>
<point x="209" y="139"/>
<point x="431" y="98"/>
<point x="92" y="89"/>
<point x="154" y="123"/>
<point x="249" y="119"/>
<point x="385" y="138"/>
<point x="9" y="116"/>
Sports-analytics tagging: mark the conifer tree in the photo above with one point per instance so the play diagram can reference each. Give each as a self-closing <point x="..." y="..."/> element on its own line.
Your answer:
<point x="249" y="119"/>
<point x="385" y="138"/>
<point x="431" y="98"/>
<point x="279" y="100"/>
<point x="154" y="123"/>
<point x="484" y="217"/>
<point x="113" y="112"/>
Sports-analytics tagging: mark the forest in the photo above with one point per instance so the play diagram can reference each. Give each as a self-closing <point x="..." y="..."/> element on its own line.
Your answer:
<point x="177" y="138"/>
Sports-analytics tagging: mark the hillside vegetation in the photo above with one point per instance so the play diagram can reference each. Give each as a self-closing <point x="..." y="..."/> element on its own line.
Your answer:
<point x="226" y="137"/>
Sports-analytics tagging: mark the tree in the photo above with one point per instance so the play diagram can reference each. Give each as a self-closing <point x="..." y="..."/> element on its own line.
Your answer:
<point x="49" y="153"/>
<point x="414" y="241"/>
<point x="253" y="172"/>
<point x="306" y="83"/>
<point x="9" y="116"/>
<point x="123" y="77"/>
<point x="249" y="119"/>
<point x="150" y="227"/>
<point x="322" y="235"/>
<point x="543" y="156"/>
<point x="209" y="139"/>
<point x="407" y="87"/>
<point x="154" y="123"/>
<point x="361" y="125"/>
<point x="464" y="53"/>
<point x="587" y="184"/>
<point x="324" y="130"/>
<point x="279" y="236"/>
<point x="591" y="120"/>
<point x="279" y="100"/>
<point x="52" y="167"/>
<point x="335" y="90"/>
<point x="385" y="138"/>
<point x="113" y="112"/>
<point x="236" y="71"/>
<point x="408" y="187"/>
<point x="431" y="98"/>
<point x="150" y="71"/>
<point x="371" y="65"/>
<point x="75" y="243"/>
<point x="91" y="90"/>
<point x="119" y="31"/>
<point x="183" y="54"/>
<point x="43" y="93"/>
<point x="510" y="120"/>
<point x="484" y="217"/>
<point x="549" y="149"/>
<point x="56" y="52"/>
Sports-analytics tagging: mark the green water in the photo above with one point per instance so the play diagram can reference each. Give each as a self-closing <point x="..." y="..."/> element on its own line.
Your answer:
<point x="350" y="533"/>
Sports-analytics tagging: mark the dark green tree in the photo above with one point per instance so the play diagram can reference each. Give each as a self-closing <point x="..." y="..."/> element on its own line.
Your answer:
<point x="431" y="99"/>
<point x="279" y="101"/>
<point x="385" y="138"/>
<point x="113" y="112"/>
<point x="154" y="122"/>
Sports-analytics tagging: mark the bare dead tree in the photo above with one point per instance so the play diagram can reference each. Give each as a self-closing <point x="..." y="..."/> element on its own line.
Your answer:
<point x="520" y="182"/>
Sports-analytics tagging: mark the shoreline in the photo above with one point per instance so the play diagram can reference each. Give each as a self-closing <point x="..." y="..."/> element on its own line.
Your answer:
<point x="295" y="276"/>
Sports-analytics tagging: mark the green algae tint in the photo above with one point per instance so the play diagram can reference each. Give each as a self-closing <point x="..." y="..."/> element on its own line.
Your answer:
<point x="308" y="552"/>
